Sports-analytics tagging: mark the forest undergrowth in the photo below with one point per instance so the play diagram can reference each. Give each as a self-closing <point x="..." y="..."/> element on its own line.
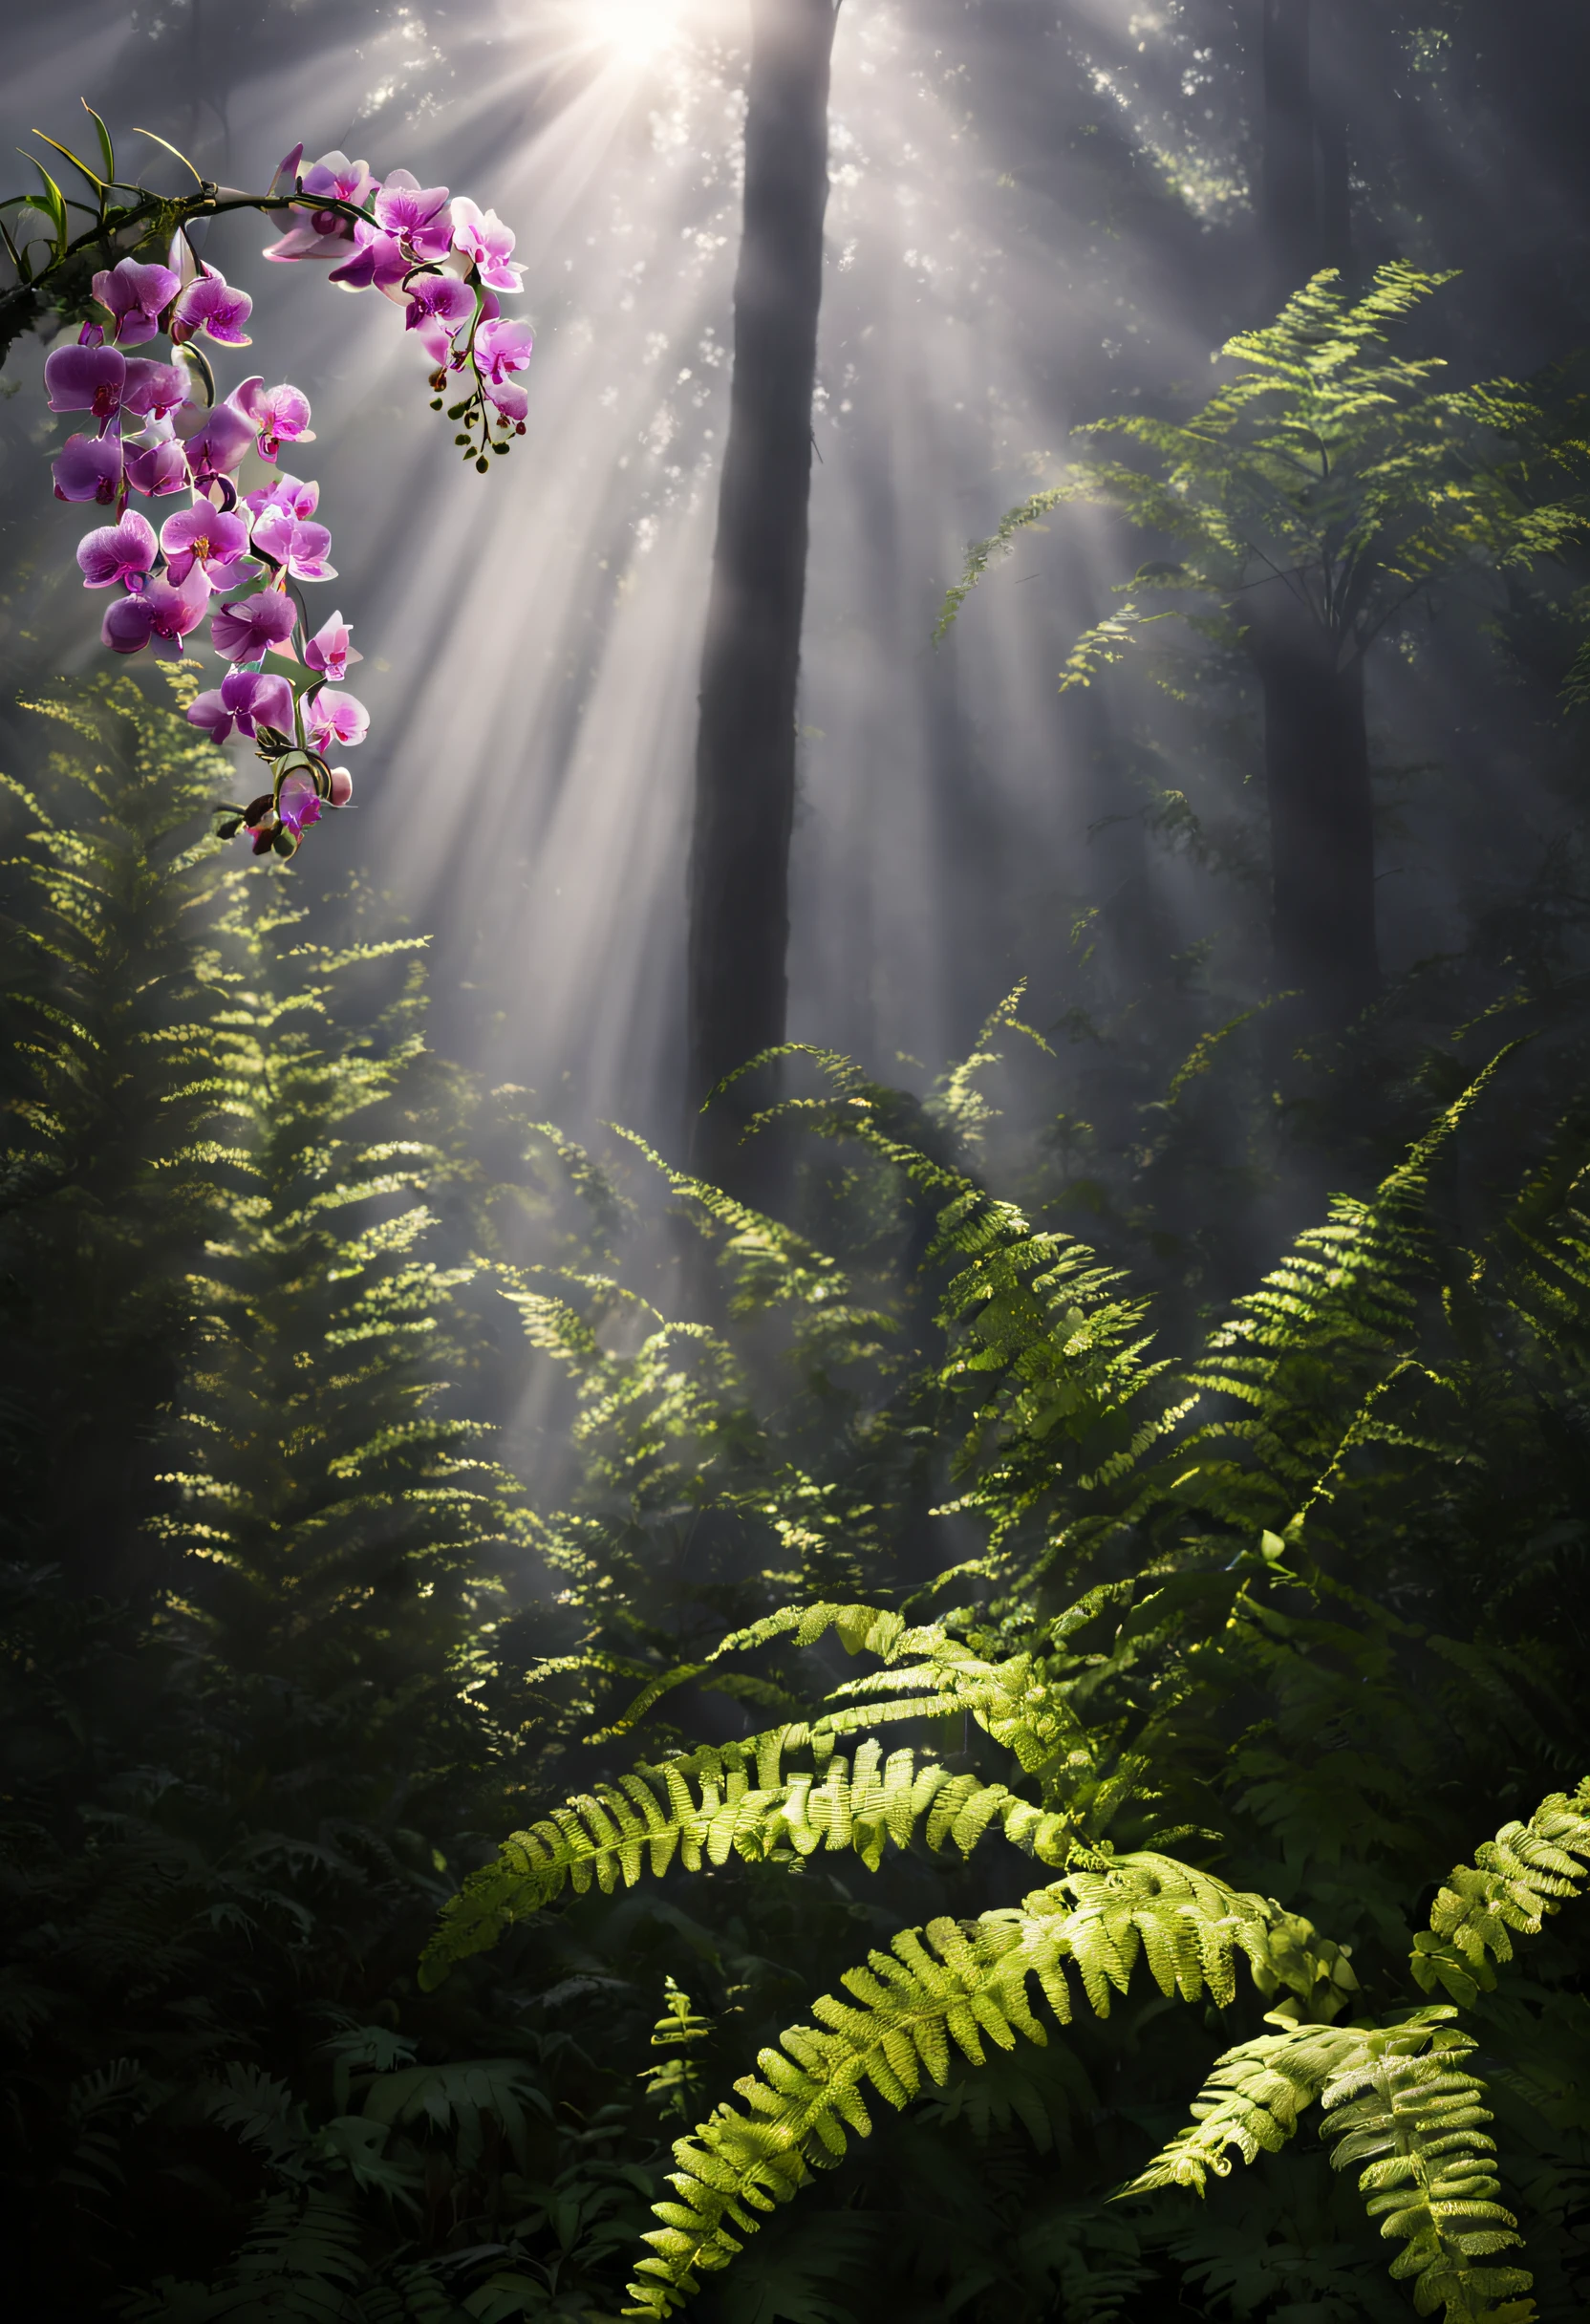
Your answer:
<point x="1154" y="1658"/>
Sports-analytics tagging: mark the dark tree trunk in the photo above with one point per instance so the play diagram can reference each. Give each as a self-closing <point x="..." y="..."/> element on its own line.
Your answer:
<point x="745" y="753"/>
<point x="1321" y="820"/>
<point x="1306" y="198"/>
<point x="1291" y="212"/>
<point x="1316" y="748"/>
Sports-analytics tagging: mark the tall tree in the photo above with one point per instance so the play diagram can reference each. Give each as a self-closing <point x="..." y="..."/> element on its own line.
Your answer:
<point x="1305" y="200"/>
<point x="1315" y="499"/>
<point x="745" y="753"/>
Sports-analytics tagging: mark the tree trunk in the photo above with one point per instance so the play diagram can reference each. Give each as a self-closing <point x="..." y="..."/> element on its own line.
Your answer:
<point x="1321" y="820"/>
<point x="745" y="752"/>
<point x="1291" y="212"/>
<point x="1307" y="201"/>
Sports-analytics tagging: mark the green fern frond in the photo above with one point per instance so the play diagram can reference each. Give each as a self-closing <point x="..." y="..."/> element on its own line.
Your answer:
<point x="1395" y="2101"/>
<point x="1251" y="2105"/>
<point x="1515" y="1881"/>
<point x="738" y="1799"/>
<point x="1406" y="2110"/>
<point x="983" y="553"/>
<point x="952" y="1983"/>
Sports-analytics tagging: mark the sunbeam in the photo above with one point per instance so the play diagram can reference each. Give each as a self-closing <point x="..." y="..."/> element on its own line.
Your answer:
<point x="637" y="30"/>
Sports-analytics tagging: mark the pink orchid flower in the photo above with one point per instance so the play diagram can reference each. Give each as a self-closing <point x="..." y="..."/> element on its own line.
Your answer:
<point x="415" y="214"/>
<point x="278" y="415"/>
<point x="329" y="650"/>
<point x="501" y="347"/>
<point x="220" y="444"/>
<point x="330" y="716"/>
<point x="299" y="805"/>
<point x="135" y="296"/>
<point x="247" y="699"/>
<point x="252" y="627"/>
<point x="205" y="536"/>
<point x="86" y="379"/>
<point x="210" y="305"/>
<point x="299" y="500"/>
<point x="488" y="243"/>
<point x="510" y="400"/>
<point x="324" y="233"/>
<point x="122" y="554"/>
<point x="301" y="547"/>
<point x="159" y="616"/>
<point x="440" y="300"/>
<point x="379" y="260"/>
<point x="157" y="468"/>
<point x="152" y="390"/>
<point x="88" y="469"/>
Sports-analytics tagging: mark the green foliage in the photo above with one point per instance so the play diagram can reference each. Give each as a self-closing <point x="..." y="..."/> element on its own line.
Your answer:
<point x="1326" y="474"/>
<point x="944" y="1983"/>
<point x="934" y="1535"/>
<point x="255" y="1562"/>
<point x="1244" y="1524"/>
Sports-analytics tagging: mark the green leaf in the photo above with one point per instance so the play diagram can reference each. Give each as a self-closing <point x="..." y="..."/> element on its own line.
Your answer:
<point x="107" y="151"/>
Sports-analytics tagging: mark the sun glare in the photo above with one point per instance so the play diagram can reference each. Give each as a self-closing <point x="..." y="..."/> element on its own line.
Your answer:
<point x="637" y="30"/>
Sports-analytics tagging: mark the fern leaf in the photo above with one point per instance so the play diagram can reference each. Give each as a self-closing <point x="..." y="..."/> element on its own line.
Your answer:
<point x="1515" y="1881"/>
<point x="738" y="1799"/>
<point x="960" y="1984"/>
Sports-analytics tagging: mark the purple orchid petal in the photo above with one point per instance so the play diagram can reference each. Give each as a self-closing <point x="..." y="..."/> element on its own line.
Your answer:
<point x="114" y="553"/>
<point x="88" y="469"/>
<point x="209" y="304"/>
<point x="220" y="444"/>
<point x="438" y="342"/>
<point x="204" y="535"/>
<point x="287" y="166"/>
<point x="325" y="234"/>
<point x="509" y="398"/>
<point x="158" y="468"/>
<point x="299" y="500"/>
<point x="503" y="347"/>
<point x="253" y="626"/>
<point x="209" y="712"/>
<point x="247" y="700"/>
<point x="277" y="415"/>
<point x="409" y="210"/>
<point x="379" y="260"/>
<point x="153" y="389"/>
<point x="269" y="703"/>
<point x="86" y="379"/>
<point x="316" y="240"/>
<point x="336" y="176"/>
<point x="136" y="296"/>
<point x="440" y="299"/>
<point x="159" y="616"/>
<point x="177" y="611"/>
<point x="127" y="625"/>
<point x="357" y="273"/>
<point x="332" y="716"/>
<point x="301" y="547"/>
<point x="488" y="243"/>
<point x="298" y="804"/>
<point x="330" y="651"/>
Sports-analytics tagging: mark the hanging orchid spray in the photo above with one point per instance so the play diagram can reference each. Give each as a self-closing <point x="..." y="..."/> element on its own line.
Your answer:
<point x="153" y="427"/>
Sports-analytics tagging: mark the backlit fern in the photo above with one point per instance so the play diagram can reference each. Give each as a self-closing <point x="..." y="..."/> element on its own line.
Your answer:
<point x="1243" y="1476"/>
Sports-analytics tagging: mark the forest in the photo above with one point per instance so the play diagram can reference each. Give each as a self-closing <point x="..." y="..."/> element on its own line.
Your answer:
<point x="795" y="1424"/>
